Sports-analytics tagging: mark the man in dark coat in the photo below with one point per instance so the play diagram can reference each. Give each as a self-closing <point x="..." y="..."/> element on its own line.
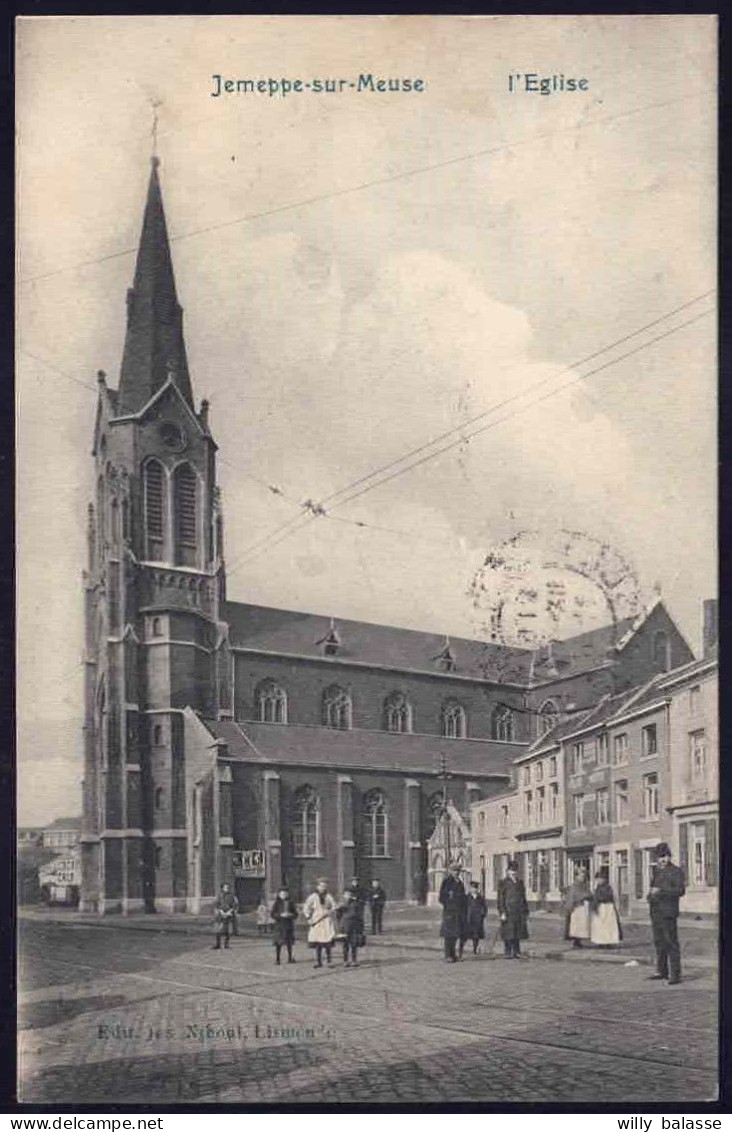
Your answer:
<point x="377" y="900"/>
<point x="284" y="914"/>
<point x="667" y="887"/>
<point x="452" y="899"/>
<point x="475" y="913"/>
<point x="513" y="910"/>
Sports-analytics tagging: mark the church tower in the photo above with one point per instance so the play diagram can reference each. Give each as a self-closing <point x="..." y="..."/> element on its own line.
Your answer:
<point x="153" y="588"/>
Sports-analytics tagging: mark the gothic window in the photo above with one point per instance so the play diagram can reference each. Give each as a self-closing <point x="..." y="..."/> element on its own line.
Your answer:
<point x="154" y="510"/>
<point x="306" y="823"/>
<point x="336" y="708"/>
<point x="453" y="720"/>
<point x="375" y="825"/>
<point x="397" y="713"/>
<point x="271" y="703"/>
<point x="157" y="627"/>
<point x="548" y="716"/>
<point x="502" y="724"/>
<point x="661" y="658"/>
<point x="125" y="518"/>
<point x="185" y="492"/>
<point x="158" y="797"/>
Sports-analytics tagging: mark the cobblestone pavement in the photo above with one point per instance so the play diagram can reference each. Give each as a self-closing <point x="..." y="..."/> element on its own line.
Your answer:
<point x="116" y="1016"/>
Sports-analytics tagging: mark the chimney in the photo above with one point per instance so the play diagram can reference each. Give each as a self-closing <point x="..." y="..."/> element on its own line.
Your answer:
<point x="710" y="626"/>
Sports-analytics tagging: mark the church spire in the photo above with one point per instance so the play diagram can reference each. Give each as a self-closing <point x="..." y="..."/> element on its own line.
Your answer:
<point x="154" y="346"/>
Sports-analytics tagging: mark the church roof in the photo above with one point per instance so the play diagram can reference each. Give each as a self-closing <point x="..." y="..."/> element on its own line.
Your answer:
<point x="293" y="633"/>
<point x="300" y="745"/>
<point x="301" y="634"/>
<point x="580" y="653"/>
<point x="65" y="823"/>
<point x="154" y="346"/>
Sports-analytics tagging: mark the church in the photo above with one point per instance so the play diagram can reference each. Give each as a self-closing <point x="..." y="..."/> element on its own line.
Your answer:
<point x="225" y="741"/>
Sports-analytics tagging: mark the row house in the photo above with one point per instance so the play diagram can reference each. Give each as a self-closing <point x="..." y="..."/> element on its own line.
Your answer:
<point x="692" y="695"/>
<point x="618" y="790"/>
<point x="527" y="823"/>
<point x="602" y="789"/>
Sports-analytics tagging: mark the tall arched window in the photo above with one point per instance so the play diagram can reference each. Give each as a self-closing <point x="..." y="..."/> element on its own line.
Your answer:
<point x="306" y="823"/>
<point x="502" y="724"/>
<point x="154" y="510"/>
<point x="271" y="703"/>
<point x="336" y="708"/>
<point x="397" y="713"/>
<point x="185" y="514"/>
<point x="453" y="720"/>
<point x="548" y="716"/>
<point x="661" y="652"/>
<point x="375" y="825"/>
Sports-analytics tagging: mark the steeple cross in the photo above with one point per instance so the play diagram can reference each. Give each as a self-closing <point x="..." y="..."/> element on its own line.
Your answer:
<point x="155" y="103"/>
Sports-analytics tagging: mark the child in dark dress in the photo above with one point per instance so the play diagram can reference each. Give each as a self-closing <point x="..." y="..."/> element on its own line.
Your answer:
<point x="284" y="914"/>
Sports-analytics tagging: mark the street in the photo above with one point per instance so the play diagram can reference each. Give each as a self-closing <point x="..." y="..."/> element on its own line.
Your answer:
<point x="149" y="1013"/>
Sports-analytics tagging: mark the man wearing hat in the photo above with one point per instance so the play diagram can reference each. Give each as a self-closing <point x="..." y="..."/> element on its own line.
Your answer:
<point x="513" y="910"/>
<point x="667" y="887"/>
<point x="452" y="899"/>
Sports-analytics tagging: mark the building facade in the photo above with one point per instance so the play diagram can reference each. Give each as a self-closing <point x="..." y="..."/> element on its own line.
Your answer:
<point x="639" y="768"/>
<point x="692" y="694"/>
<point x="619" y="790"/>
<point x="62" y="834"/>
<point x="218" y="733"/>
<point x="526" y="824"/>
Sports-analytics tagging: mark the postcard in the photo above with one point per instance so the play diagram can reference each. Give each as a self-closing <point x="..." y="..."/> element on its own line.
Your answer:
<point x="367" y="616"/>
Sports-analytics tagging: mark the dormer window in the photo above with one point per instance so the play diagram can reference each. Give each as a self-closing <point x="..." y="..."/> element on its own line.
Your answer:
<point x="446" y="659"/>
<point x="331" y="642"/>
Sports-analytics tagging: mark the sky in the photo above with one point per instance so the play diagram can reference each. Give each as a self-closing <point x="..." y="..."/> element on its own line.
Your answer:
<point x="362" y="272"/>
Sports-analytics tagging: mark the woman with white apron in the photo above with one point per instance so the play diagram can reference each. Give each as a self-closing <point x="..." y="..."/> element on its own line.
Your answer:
<point x="605" y="927"/>
<point x="577" y="908"/>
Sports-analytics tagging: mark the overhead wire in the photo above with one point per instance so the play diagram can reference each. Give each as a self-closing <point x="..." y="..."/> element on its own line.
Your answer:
<point x="291" y="526"/>
<point x="376" y="182"/>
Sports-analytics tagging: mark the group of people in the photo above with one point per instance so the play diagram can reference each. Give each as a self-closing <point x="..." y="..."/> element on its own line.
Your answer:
<point x="590" y="913"/>
<point x="329" y="921"/>
<point x="464" y="913"/>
